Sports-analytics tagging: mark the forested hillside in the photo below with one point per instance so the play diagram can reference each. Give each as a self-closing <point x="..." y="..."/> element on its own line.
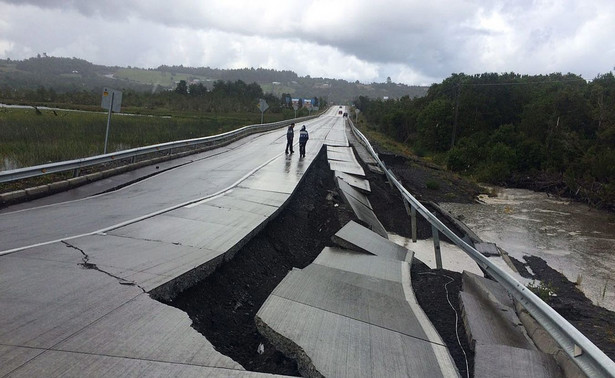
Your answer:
<point x="549" y="132"/>
<point x="61" y="75"/>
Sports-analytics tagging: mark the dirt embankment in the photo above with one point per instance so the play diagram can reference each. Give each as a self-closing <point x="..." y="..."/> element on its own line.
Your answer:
<point x="596" y="323"/>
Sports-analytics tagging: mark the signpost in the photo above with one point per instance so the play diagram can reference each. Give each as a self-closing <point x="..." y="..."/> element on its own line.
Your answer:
<point x="295" y="106"/>
<point x="112" y="100"/>
<point x="262" y="105"/>
<point x="356" y="112"/>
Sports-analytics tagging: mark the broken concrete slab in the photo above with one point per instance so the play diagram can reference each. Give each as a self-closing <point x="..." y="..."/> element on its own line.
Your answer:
<point x="487" y="320"/>
<point x="146" y="329"/>
<point x="319" y="288"/>
<point x="453" y="258"/>
<point x="483" y="287"/>
<point x="35" y="318"/>
<point x="351" y="168"/>
<point x="87" y="314"/>
<point x="386" y="287"/>
<point x="361" y="206"/>
<point x="360" y="263"/>
<point x="358" y="146"/>
<point x="375" y="168"/>
<point x="340" y="156"/>
<point x="506" y="361"/>
<point x="349" y="191"/>
<point x="355" y="236"/>
<point x="148" y="263"/>
<point x="332" y="345"/>
<point x="487" y="249"/>
<point x="341" y="153"/>
<point x="348" y="313"/>
<point x="355" y="181"/>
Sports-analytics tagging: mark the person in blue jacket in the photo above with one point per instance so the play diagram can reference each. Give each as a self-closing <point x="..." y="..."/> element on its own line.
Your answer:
<point x="290" y="133"/>
<point x="303" y="138"/>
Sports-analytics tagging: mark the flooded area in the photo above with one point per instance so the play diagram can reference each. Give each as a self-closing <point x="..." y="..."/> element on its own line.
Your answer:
<point x="572" y="238"/>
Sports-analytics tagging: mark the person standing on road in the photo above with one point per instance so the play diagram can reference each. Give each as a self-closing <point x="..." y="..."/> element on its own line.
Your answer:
<point x="303" y="138"/>
<point x="290" y="133"/>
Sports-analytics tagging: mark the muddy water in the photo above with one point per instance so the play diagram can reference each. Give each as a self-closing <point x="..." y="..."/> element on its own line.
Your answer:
<point x="572" y="238"/>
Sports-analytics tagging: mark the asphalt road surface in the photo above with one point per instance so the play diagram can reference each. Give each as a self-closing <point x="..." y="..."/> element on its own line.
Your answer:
<point x="207" y="175"/>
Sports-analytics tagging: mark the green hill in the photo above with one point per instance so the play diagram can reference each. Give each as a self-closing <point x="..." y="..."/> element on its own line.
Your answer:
<point x="72" y="74"/>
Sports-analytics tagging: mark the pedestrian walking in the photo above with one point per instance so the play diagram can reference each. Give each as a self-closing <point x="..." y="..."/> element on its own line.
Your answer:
<point x="303" y="138"/>
<point x="290" y="133"/>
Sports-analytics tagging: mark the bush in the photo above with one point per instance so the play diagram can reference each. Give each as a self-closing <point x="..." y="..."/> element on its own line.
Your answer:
<point x="432" y="185"/>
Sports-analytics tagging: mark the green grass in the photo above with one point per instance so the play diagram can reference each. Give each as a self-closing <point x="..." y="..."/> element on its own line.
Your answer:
<point x="384" y="141"/>
<point x="28" y="139"/>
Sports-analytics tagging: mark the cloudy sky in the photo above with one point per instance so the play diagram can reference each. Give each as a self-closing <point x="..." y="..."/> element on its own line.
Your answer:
<point x="416" y="42"/>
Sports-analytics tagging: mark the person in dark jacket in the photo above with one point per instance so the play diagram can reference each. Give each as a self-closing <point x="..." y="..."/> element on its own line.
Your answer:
<point x="303" y="138"/>
<point x="290" y="132"/>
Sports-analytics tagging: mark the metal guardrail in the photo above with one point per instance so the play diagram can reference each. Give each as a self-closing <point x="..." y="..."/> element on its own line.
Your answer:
<point x="588" y="357"/>
<point x="77" y="164"/>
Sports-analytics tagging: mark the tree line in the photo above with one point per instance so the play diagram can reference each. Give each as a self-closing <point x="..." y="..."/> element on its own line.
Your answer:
<point x="552" y="133"/>
<point x="77" y="75"/>
<point x="223" y="97"/>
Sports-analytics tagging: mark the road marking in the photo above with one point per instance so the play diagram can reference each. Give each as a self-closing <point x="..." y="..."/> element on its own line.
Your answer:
<point x="194" y="202"/>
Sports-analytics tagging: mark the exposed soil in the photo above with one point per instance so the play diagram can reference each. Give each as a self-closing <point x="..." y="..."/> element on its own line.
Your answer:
<point x="596" y="323"/>
<point x="428" y="182"/>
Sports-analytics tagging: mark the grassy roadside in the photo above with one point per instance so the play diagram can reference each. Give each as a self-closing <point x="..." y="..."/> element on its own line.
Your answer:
<point x="424" y="176"/>
<point x="28" y="137"/>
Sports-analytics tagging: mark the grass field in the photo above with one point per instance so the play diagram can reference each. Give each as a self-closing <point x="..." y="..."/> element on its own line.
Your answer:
<point x="164" y="79"/>
<point x="28" y="138"/>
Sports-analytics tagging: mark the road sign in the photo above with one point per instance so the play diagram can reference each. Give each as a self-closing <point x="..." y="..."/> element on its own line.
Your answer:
<point x="111" y="99"/>
<point x="262" y="105"/>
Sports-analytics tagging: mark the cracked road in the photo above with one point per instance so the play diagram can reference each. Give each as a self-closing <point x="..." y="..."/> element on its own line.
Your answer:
<point x="204" y="177"/>
<point x="78" y="273"/>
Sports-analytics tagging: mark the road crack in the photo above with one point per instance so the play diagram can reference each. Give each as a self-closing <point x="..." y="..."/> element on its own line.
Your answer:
<point x="86" y="264"/>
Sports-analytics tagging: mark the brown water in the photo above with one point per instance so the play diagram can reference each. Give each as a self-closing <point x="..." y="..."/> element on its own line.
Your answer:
<point x="572" y="238"/>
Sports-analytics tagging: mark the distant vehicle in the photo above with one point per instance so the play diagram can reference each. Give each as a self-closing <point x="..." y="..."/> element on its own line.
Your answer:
<point x="340" y="106"/>
<point x="345" y="114"/>
<point x="340" y="112"/>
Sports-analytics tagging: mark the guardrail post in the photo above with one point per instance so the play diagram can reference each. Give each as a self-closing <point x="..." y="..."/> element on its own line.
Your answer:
<point x="413" y="222"/>
<point x="411" y="211"/>
<point x="436" y="246"/>
<point x="76" y="172"/>
<point x="406" y="206"/>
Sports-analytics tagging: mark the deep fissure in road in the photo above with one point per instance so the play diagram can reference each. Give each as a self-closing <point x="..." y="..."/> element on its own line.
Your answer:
<point x="224" y="304"/>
